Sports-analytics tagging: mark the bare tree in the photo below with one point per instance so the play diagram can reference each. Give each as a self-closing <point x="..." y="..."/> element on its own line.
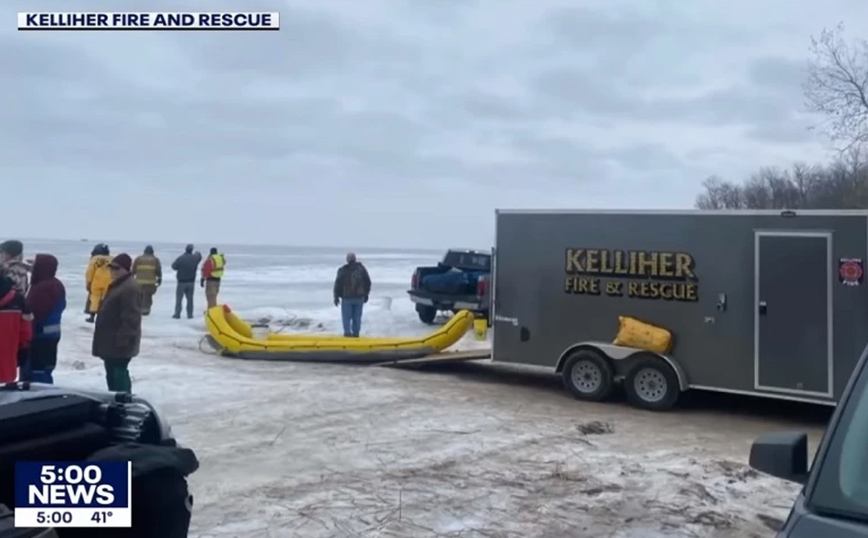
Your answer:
<point x="719" y="194"/>
<point x="837" y="86"/>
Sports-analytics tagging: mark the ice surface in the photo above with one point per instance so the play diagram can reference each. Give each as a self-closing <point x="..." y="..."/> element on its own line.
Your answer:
<point x="331" y="451"/>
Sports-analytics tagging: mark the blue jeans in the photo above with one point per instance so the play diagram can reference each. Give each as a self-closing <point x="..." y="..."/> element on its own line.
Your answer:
<point x="351" y="315"/>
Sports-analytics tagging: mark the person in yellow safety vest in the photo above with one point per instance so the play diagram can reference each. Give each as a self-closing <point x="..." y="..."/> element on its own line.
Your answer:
<point x="212" y="272"/>
<point x="148" y="273"/>
<point x="97" y="279"/>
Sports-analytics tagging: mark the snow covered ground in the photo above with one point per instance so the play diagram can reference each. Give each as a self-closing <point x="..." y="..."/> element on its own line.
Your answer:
<point x="302" y="450"/>
<point x="331" y="451"/>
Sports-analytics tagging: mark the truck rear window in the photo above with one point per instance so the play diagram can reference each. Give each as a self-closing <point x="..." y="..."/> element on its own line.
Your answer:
<point x="468" y="260"/>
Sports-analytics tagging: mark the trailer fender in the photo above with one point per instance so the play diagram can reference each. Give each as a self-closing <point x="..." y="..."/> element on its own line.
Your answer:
<point x="621" y="354"/>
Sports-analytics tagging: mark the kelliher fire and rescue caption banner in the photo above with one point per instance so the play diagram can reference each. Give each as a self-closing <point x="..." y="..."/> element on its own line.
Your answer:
<point x="638" y="274"/>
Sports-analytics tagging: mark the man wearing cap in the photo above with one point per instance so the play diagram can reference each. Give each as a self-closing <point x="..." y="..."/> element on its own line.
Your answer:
<point x="185" y="267"/>
<point x="12" y="265"/>
<point x="351" y="290"/>
<point x="149" y="275"/>
<point x="118" y="330"/>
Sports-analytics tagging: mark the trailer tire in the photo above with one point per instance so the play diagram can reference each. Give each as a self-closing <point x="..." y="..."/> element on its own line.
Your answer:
<point x="651" y="384"/>
<point x="588" y="375"/>
<point x="426" y="313"/>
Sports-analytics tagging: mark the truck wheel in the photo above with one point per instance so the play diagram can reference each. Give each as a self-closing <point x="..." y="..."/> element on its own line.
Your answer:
<point x="588" y="375"/>
<point x="651" y="384"/>
<point x="426" y="313"/>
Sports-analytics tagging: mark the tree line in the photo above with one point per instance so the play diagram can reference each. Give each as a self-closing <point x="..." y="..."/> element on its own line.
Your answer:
<point x="836" y="90"/>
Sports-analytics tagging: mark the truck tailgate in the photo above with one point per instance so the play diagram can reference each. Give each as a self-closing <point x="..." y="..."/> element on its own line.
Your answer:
<point x="460" y="302"/>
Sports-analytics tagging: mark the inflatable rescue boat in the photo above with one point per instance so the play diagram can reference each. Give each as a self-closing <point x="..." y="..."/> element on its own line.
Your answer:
<point x="233" y="337"/>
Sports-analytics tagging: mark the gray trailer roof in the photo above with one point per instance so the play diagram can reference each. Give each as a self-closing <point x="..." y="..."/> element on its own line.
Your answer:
<point x="697" y="212"/>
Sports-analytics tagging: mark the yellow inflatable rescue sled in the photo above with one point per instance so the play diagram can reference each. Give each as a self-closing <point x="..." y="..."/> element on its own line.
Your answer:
<point x="641" y="335"/>
<point x="233" y="337"/>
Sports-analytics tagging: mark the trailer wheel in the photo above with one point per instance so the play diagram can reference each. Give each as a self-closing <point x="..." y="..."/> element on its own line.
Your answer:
<point x="651" y="384"/>
<point x="588" y="375"/>
<point x="426" y="313"/>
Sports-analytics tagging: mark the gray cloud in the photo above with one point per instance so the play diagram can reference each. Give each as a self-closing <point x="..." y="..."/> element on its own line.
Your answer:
<point x="356" y="114"/>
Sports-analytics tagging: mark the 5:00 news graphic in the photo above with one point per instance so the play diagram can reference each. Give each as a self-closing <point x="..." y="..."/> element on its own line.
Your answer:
<point x="73" y="494"/>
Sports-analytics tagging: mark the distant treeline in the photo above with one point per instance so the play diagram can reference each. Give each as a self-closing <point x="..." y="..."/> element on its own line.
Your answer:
<point x="837" y="91"/>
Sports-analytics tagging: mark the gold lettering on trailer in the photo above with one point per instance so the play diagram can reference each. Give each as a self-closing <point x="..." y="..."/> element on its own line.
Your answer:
<point x="641" y="274"/>
<point x="582" y="285"/>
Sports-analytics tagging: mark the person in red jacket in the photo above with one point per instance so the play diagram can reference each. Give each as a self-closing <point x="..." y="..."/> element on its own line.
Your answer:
<point x="15" y="331"/>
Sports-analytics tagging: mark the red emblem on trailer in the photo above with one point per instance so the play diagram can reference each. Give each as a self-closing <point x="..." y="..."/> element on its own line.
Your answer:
<point x="851" y="271"/>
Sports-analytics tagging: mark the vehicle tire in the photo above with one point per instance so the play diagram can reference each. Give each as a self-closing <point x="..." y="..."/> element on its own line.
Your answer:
<point x="426" y="313"/>
<point x="588" y="375"/>
<point x="651" y="384"/>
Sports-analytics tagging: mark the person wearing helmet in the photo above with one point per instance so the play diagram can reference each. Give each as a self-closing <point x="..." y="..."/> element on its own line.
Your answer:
<point x="148" y="273"/>
<point x="97" y="279"/>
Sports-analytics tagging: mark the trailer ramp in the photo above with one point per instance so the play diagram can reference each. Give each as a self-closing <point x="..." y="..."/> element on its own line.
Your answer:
<point x="440" y="358"/>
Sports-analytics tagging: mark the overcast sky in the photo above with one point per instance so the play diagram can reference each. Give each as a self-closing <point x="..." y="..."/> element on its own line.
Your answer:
<point x="395" y="122"/>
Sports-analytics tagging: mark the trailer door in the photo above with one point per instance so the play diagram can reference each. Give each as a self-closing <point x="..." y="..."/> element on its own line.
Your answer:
<point x="793" y="314"/>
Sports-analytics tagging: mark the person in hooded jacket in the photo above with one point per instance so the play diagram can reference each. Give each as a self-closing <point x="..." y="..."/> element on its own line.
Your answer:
<point x="16" y="331"/>
<point x="13" y="266"/>
<point x="97" y="279"/>
<point x="46" y="302"/>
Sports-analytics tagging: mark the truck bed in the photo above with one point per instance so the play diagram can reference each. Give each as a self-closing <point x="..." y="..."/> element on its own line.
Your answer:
<point x="446" y="301"/>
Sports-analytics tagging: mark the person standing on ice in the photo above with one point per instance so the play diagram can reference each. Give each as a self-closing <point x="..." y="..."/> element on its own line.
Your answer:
<point x="351" y="291"/>
<point x="148" y="273"/>
<point x="118" y="331"/>
<point x="97" y="279"/>
<point x="46" y="302"/>
<point x="16" y="331"/>
<point x="12" y="265"/>
<point x="185" y="267"/>
<point x="212" y="272"/>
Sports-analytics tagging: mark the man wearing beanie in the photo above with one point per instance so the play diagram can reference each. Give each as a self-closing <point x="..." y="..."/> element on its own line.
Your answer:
<point x="12" y="265"/>
<point x="118" y="329"/>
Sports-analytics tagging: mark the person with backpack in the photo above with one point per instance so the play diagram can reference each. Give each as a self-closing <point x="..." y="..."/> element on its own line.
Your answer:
<point x="12" y="265"/>
<point x="351" y="291"/>
<point x="46" y="301"/>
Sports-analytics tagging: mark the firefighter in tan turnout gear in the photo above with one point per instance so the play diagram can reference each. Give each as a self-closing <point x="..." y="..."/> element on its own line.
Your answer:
<point x="148" y="273"/>
<point x="212" y="272"/>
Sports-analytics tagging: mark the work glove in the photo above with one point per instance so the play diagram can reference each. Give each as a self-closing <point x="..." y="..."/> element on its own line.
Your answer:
<point x="337" y="301"/>
<point x="201" y="282"/>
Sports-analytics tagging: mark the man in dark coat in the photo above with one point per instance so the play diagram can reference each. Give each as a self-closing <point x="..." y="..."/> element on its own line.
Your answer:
<point x="351" y="291"/>
<point x="185" y="267"/>
<point x="118" y="330"/>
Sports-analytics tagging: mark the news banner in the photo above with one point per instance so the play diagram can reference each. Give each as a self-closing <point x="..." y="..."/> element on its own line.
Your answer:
<point x="128" y="20"/>
<point x="73" y="494"/>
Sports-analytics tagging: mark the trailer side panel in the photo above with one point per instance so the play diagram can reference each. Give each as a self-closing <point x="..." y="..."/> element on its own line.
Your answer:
<point x="757" y="303"/>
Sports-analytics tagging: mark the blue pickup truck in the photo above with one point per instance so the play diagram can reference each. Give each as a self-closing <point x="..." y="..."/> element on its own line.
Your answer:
<point x="459" y="282"/>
